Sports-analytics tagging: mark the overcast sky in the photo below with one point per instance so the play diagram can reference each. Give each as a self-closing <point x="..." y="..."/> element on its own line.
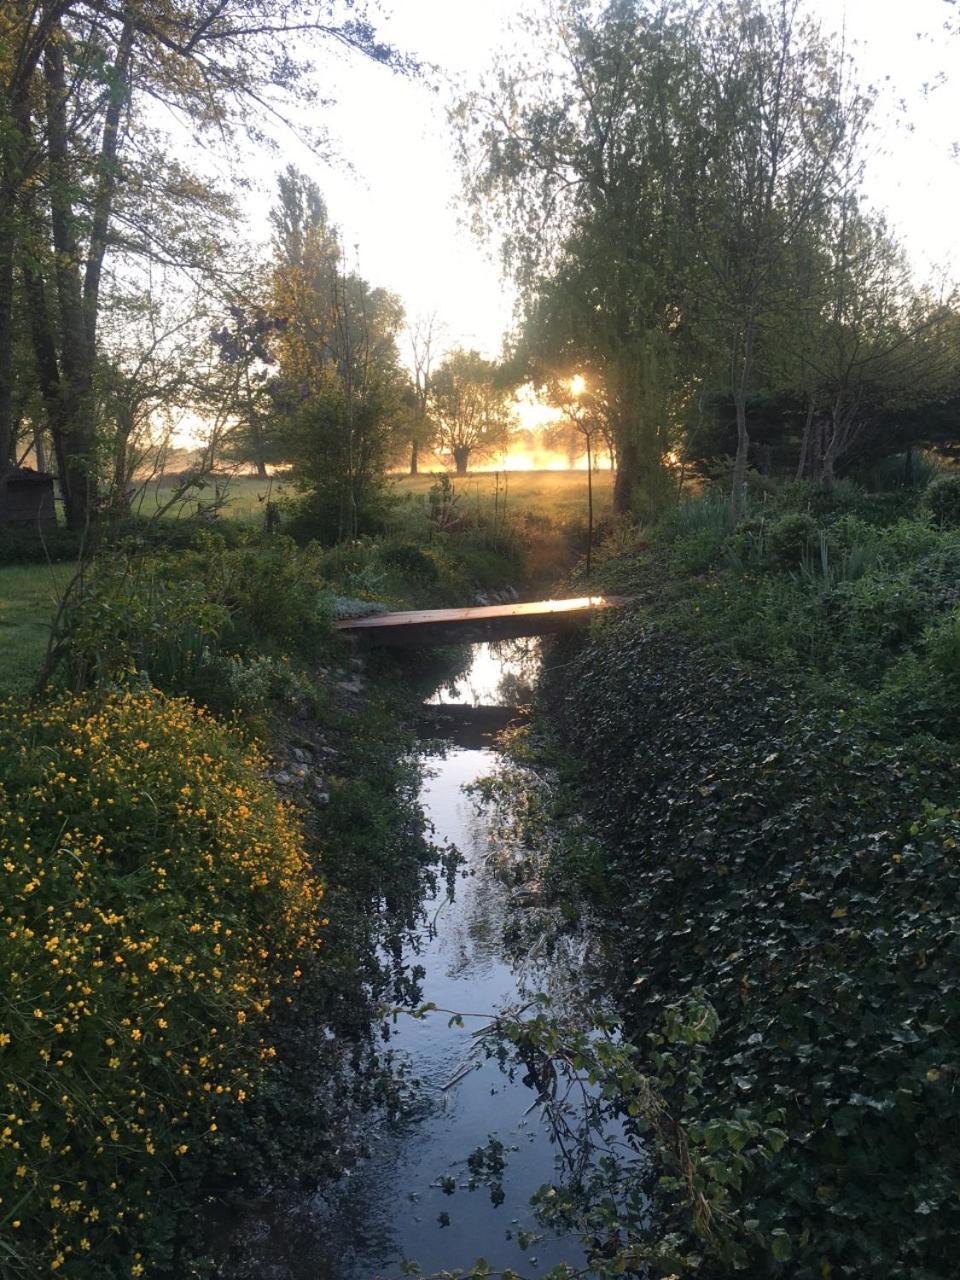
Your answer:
<point x="398" y="205"/>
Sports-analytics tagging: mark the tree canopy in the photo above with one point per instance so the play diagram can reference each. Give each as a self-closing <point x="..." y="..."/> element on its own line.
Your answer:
<point x="469" y="405"/>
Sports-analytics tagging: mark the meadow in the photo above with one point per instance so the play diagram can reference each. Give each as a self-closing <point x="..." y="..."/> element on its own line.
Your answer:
<point x="559" y="496"/>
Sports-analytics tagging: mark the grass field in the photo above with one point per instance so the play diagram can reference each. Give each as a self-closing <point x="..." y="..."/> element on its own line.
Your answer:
<point x="243" y="498"/>
<point x="557" y="495"/>
<point x="28" y="594"/>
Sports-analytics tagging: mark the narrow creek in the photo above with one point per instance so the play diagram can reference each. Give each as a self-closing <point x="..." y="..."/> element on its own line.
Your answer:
<point x="411" y="1198"/>
<point x="467" y="967"/>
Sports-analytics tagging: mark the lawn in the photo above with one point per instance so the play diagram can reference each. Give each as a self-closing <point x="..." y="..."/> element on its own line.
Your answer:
<point x="28" y="595"/>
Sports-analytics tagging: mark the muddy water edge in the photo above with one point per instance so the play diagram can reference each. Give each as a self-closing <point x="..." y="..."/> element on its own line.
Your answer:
<point x="441" y="1173"/>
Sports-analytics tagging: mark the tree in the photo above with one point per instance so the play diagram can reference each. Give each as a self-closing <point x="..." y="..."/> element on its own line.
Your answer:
<point x="146" y="374"/>
<point x="591" y="165"/>
<point x="783" y="128"/>
<point x="244" y="394"/>
<point x="339" y="390"/>
<point x="425" y="338"/>
<point x="660" y="177"/>
<point x="470" y="407"/>
<point x="83" y="173"/>
<point x="878" y="343"/>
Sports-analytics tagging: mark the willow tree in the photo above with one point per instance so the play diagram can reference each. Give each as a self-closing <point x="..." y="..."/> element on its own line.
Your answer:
<point x="588" y="166"/>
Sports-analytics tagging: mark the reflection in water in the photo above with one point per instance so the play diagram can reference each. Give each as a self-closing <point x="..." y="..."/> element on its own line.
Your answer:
<point x="410" y="1199"/>
<point x="499" y="675"/>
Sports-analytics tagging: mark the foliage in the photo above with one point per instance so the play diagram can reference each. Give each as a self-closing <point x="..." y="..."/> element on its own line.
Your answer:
<point x="801" y="874"/>
<point x="943" y="501"/>
<point x="158" y="903"/>
<point x="468" y="403"/>
<point x="909" y="470"/>
<point x="767" y="754"/>
<point x="81" y="157"/>
<point x="696" y="532"/>
<point x="339" y="388"/>
<point x="167" y="619"/>
<point x="29" y="546"/>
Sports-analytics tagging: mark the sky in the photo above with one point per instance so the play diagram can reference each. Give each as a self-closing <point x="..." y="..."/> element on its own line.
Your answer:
<point x="397" y="201"/>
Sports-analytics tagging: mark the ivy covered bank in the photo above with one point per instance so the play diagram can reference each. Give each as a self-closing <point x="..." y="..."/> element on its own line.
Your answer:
<point x="767" y="749"/>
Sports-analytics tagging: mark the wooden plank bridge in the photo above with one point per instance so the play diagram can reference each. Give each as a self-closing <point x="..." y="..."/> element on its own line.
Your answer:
<point x="426" y="627"/>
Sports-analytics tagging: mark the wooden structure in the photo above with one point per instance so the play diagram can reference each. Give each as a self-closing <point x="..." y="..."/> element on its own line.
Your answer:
<point x="26" y="500"/>
<point x="426" y="627"/>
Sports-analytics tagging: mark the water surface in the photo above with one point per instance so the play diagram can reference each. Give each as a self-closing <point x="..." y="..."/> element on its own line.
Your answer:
<point x="411" y="1199"/>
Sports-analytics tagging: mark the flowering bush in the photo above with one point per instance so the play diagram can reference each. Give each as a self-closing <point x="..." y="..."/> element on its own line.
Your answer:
<point x="156" y="900"/>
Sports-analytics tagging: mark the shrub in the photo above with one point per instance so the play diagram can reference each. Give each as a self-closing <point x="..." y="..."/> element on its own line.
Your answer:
<point x="157" y="898"/>
<point x="791" y="539"/>
<point x="910" y="470"/>
<point x="273" y="591"/>
<point x="942" y="643"/>
<point x="409" y="560"/>
<point x="696" y="551"/>
<point x="747" y="545"/>
<point x="29" y="546"/>
<point x="873" y="616"/>
<point x="173" y="533"/>
<point x="163" y="618"/>
<point x="696" y="532"/>
<point x="709" y="512"/>
<point x="316" y="517"/>
<point x="942" y="500"/>
<point x="139" y="618"/>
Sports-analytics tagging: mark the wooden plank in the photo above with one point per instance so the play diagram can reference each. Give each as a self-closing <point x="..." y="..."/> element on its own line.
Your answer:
<point x="481" y="622"/>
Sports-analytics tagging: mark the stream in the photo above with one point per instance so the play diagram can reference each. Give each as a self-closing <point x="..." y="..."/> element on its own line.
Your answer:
<point x="411" y="1198"/>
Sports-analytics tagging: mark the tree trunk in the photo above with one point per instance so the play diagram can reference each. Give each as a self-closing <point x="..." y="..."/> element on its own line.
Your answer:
<point x="827" y="475"/>
<point x="414" y="457"/>
<point x="741" y="383"/>
<point x="806" y="441"/>
<point x="78" y="478"/>
<point x="7" y="248"/>
<point x="39" y="450"/>
<point x="121" y="466"/>
<point x="259" y="448"/>
<point x="738" y="493"/>
<point x="14" y="148"/>
<point x="829" y="455"/>
<point x="627" y="477"/>
<point x="461" y="457"/>
<point x="78" y="295"/>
